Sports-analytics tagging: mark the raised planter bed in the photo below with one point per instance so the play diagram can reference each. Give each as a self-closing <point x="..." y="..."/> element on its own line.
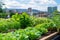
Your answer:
<point x="49" y="36"/>
<point x="56" y="37"/>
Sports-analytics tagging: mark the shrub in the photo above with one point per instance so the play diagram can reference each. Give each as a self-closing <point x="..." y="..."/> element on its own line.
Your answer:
<point x="24" y="19"/>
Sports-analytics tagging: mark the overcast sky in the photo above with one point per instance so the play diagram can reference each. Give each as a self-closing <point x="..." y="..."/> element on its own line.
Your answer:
<point x="35" y="4"/>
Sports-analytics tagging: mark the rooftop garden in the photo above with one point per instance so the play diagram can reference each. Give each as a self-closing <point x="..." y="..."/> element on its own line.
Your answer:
<point x="26" y="27"/>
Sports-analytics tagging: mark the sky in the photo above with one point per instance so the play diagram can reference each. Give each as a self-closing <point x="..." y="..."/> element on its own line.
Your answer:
<point x="41" y="5"/>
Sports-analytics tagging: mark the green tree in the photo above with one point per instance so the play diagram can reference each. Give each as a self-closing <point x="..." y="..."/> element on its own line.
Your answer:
<point x="1" y="5"/>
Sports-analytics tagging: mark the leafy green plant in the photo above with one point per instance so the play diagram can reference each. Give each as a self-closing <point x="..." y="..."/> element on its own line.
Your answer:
<point x="33" y="33"/>
<point x="42" y="28"/>
<point x="16" y="17"/>
<point x="56" y="19"/>
<point x="24" y="19"/>
<point x="41" y="20"/>
<point x="13" y="36"/>
<point x="8" y="24"/>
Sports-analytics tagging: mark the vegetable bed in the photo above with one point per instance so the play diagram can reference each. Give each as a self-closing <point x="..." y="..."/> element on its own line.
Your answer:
<point x="25" y="27"/>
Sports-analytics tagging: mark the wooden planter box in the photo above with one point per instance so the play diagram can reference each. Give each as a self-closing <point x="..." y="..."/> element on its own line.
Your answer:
<point x="49" y="37"/>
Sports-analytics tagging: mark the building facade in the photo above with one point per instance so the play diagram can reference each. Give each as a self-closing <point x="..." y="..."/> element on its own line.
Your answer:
<point x="51" y="9"/>
<point x="30" y="11"/>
